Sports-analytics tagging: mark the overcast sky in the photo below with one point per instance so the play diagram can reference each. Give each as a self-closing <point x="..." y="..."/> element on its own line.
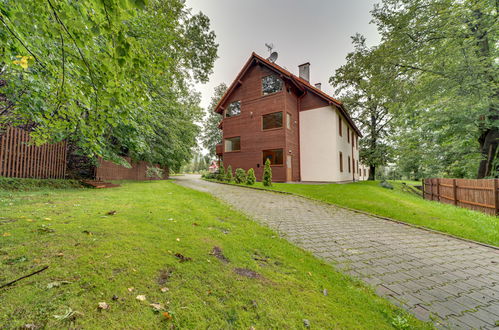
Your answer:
<point x="315" y="31"/>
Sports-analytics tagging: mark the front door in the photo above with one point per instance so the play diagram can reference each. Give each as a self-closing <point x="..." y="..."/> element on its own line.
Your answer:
<point x="289" y="176"/>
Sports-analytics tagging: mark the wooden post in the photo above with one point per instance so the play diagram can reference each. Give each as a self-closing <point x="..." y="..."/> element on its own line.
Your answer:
<point x="454" y="188"/>
<point x="422" y="185"/>
<point x="496" y="200"/>
<point x="438" y="190"/>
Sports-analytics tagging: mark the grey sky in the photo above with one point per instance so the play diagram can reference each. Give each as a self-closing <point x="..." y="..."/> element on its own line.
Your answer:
<point x="312" y="31"/>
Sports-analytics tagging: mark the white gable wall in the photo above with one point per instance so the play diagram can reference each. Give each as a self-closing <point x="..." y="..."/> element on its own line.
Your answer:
<point x="320" y="145"/>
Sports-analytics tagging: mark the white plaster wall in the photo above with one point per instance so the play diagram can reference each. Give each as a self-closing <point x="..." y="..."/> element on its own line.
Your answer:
<point x="320" y="146"/>
<point x="317" y="142"/>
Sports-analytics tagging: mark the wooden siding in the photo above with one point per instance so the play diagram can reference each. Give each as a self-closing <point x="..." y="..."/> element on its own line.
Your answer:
<point x="479" y="195"/>
<point x="20" y="159"/>
<point x="110" y="171"/>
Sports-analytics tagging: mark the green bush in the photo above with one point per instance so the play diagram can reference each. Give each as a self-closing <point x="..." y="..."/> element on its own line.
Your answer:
<point x="221" y="172"/>
<point x="267" y="174"/>
<point x="211" y="176"/>
<point x="228" y="174"/>
<point x="37" y="184"/>
<point x="240" y="175"/>
<point x="251" y="178"/>
<point x="154" y="172"/>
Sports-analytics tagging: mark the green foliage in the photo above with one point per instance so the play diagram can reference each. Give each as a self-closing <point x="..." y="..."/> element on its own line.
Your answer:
<point x="212" y="135"/>
<point x="18" y="184"/>
<point x="267" y="174"/>
<point x="229" y="177"/>
<point x="250" y="177"/>
<point x="221" y="172"/>
<point x="240" y="176"/>
<point x="112" y="76"/>
<point x="155" y="172"/>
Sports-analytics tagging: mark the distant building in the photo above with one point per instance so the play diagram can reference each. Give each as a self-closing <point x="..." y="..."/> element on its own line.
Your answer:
<point x="269" y="113"/>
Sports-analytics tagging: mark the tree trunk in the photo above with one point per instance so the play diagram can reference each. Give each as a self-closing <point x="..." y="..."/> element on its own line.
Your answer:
<point x="372" y="172"/>
<point x="488" y="148"/>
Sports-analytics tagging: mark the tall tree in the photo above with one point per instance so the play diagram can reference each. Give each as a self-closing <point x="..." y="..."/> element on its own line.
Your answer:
<point x="111" y="75"/>
<point x="212" y="135"/>
<point x="361" y="85"/>
<point x="447" y="50"/>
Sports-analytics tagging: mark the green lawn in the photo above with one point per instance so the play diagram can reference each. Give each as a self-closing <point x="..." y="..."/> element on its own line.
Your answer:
<point x="93" y="256"/>
<point x="403" y="206"/>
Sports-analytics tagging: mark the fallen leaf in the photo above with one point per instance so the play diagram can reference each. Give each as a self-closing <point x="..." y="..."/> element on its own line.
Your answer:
<point x="115" y="297"/>
<point x="111" y="213"/>
<point x="87" y="232"/>
<point x="56" y="284"/>
<point x="130" y="289"/>
<point x="60" y="254"/>
<point x="31" y="326"/>
<point x="309" y="273"/>
<point x="324" y="292"/>
<point x="47" y="219"/>
<point x="29" y="220"/>
<point x="167" y="316"/>
<point x="103" y="305"/>
<point x="306" y="323"/>
<point x="141" y="297"/>
<point x="195" y="224"/>
<point x="178" y="239"/>
<point x="165" y="289"/>
<point x="182" y="258"/>
<point x="6" y="234"/>
<point x="157" y="306"/>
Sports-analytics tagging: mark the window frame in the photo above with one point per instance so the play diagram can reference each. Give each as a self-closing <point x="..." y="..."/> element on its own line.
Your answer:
<point x="348" y="134"/>
<point x="276" y="165"/>
<point x="349" y="165"/>
<point x="340" y="125"/>
<point x="272" y="93"/>
<point x="273" y="128"/>
<point x="289" y="119"/>
<point x="230" y="138"/>
<point x="341" y="162"/>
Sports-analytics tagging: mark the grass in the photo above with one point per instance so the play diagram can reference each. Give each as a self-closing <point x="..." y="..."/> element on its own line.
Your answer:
<point x="16" y="184"/>
<point x="400" y="205"/>
<point x="93" y="256"/>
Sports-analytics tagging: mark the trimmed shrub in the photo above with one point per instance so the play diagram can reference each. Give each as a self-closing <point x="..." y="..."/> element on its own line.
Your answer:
<point x="240" y="175"/>
<point x="251" y="178"/>
<point x="221" y="172"/>
<point x="267" y="174"/>
<point x="228" y="174"/>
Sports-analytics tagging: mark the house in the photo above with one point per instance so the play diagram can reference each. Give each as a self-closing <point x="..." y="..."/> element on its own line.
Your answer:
<point x="270" y="113"/>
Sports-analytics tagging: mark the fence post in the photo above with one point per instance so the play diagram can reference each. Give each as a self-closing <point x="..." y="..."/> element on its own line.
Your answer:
<point x="496" y="200"/>
<point x="438" y="190"/>
<point x="454" y="188"/>
<point x="422" y="185"/>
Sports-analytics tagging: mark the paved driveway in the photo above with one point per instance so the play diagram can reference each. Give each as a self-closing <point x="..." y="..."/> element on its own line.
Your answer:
<point x="454" y="281"/>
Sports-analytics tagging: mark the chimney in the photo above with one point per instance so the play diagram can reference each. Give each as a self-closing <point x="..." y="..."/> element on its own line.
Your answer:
<point x="318" y="85"/>
<point x="304" y="71"/>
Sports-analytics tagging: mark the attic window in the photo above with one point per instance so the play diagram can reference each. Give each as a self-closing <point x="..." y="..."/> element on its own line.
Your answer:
<point x="271" y="84"/>
<point x="234" y="109"/>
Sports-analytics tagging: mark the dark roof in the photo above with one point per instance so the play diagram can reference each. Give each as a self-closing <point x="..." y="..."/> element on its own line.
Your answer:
<point x="302" y="84"/>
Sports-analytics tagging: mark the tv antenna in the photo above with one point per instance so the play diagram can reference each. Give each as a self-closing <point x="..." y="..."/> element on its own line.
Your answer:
<point x="273" y="55"/>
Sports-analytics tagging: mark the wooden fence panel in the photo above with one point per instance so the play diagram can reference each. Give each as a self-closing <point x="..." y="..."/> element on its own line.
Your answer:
<point x="479" y="195"/>
<point x="19" y="159"/>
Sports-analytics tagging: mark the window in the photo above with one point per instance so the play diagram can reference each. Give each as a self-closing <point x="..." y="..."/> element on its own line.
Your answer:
<point x="233" y="144"/>
<point x="348" y="134"/>
<point x="339" y="126"/>
<point x="353" y="139"/>
<point x="341" y="161"/>
<point x="288" y="120"/>
<point x="357" y="141"/>
<point x="357" y="164"/>
<point x="349" y="165"/>
<point x="272" y="120"/>
<point x="234" y="109"/>
<point x="271" y="84"/>
<point x="275" y="156"/>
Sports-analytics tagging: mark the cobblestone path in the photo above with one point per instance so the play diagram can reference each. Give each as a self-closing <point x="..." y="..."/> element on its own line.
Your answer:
<point x="450" y="281"/>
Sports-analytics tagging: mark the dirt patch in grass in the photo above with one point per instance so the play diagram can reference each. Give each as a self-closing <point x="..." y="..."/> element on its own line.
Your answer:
<point x="217" y="252"/>
<point x="164" y="275"/>
<point x="247" y="273"/>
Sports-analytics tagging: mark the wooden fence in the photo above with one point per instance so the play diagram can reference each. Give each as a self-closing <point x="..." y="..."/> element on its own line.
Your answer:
<point x="479" y="195"/>
<point x="19" y="159"/>
<point x="106" y="170"/>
